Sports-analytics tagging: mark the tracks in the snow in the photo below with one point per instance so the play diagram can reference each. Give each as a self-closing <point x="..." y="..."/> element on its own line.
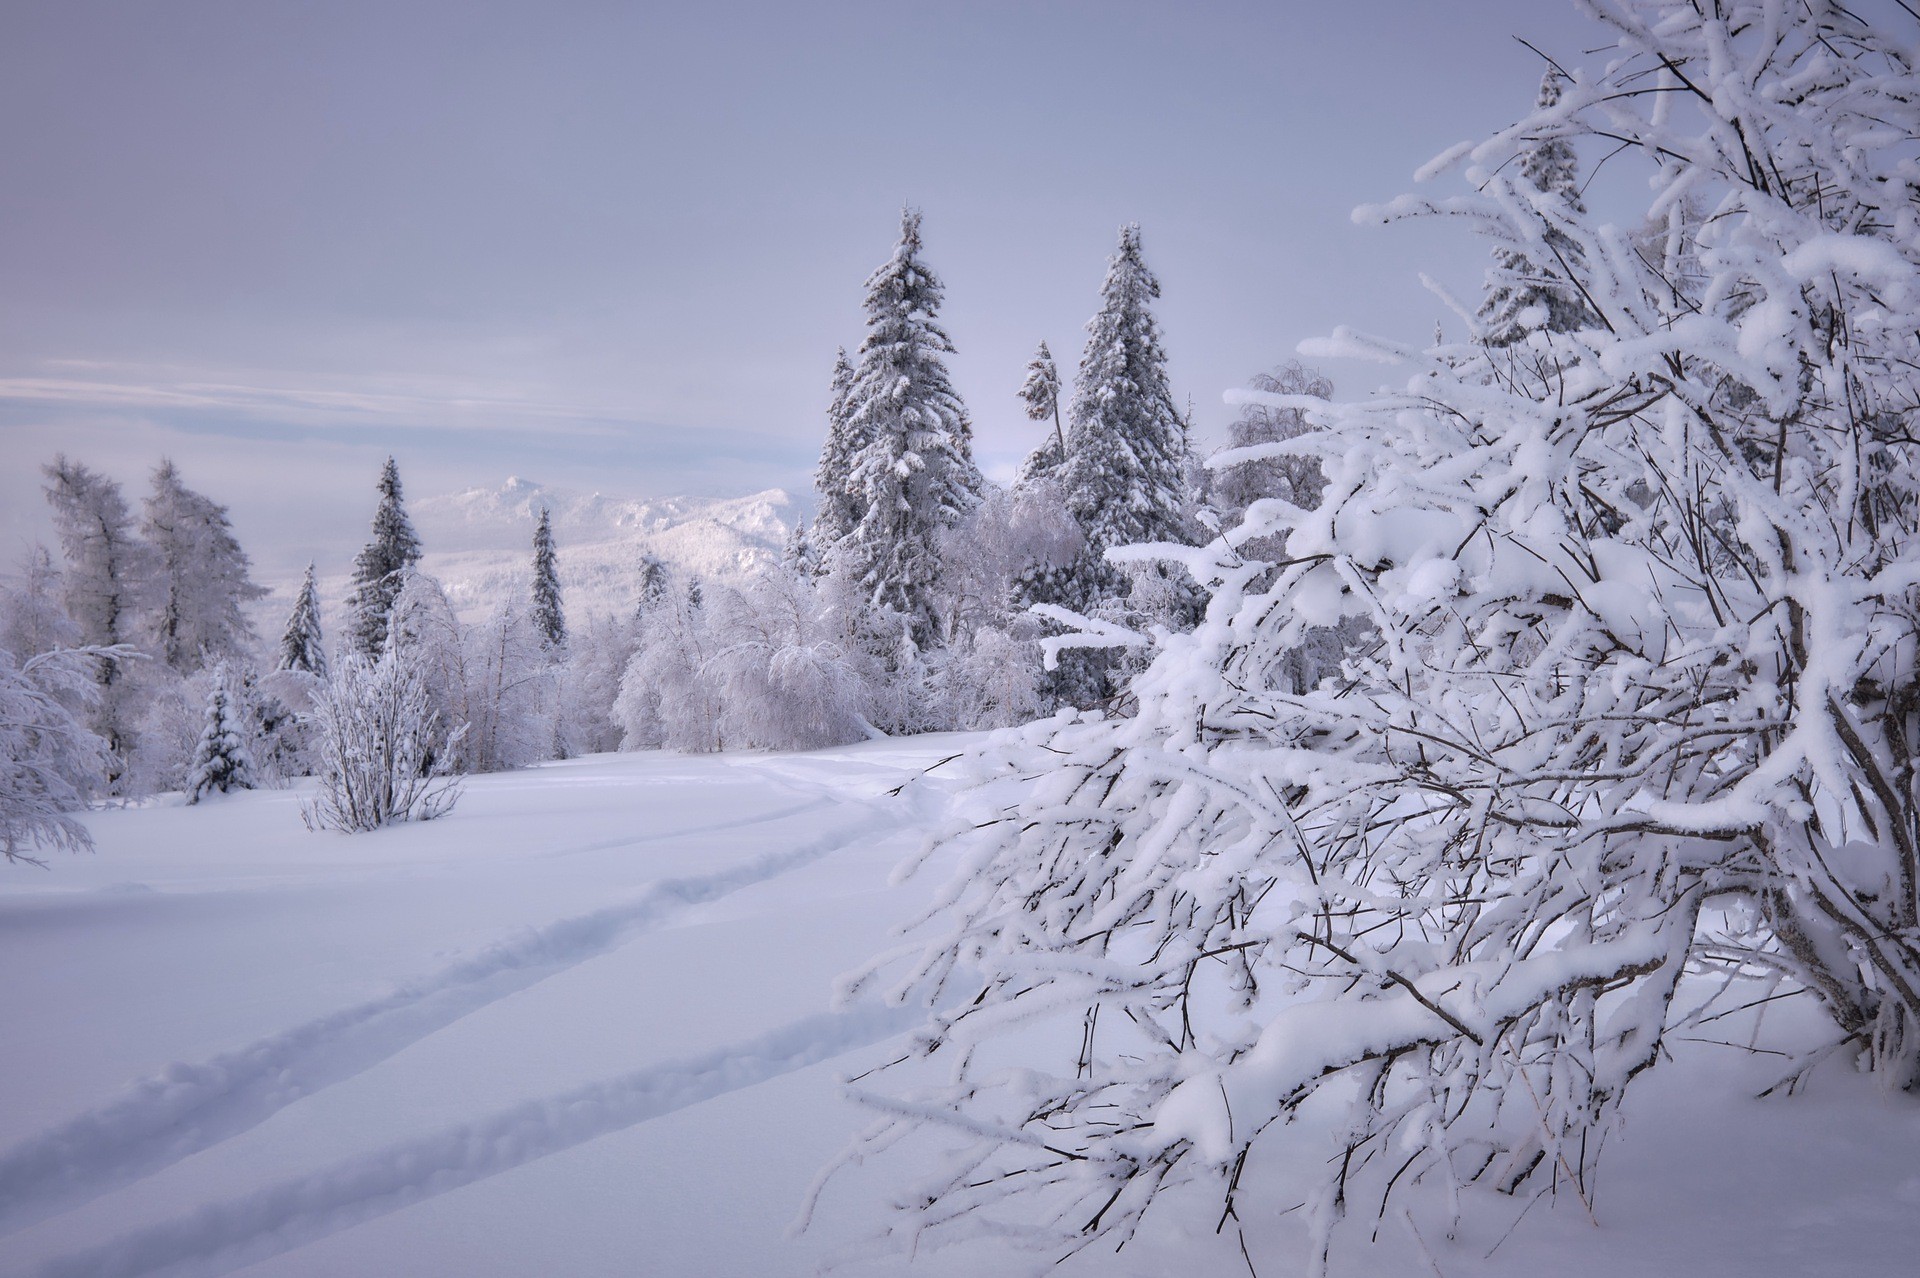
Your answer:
<point x="160" y="1120"/>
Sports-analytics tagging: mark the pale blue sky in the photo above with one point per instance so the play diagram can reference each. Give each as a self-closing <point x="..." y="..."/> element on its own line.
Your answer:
<point x="615" y="245"/>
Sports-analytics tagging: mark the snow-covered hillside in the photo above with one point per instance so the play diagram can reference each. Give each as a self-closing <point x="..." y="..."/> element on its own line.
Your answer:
<point x="479" y="544"/>
<point x="583" y="1026"/>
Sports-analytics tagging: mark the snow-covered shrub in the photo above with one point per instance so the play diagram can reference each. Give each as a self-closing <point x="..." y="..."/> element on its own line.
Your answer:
<point x="50" y="763"/>
<point x="384" y="754"/>
<point x="1647" y="599"/>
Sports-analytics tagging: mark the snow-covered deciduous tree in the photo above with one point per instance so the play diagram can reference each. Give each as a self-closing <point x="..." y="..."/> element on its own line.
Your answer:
<point x="1534" y="281"/>
<point x="32" y="618"/>
<point x="378" y="568"/>
<point x="422" y="624"/>
<point x="302" y="647"/>
<point x="589" y="684"/>
<point x="1647" y="633"/>
<point x="223" y="758"/>
<point x="384" y="753"/>
<point x="107" y="580"/>
<point x="50" y="762"/>
<point x="787" y="670"/>
<point x="509" y="699"/>
<point x="201" y="580"/>
<point x="914" y="472"/>
<point x="841" y="505"/>
<point x="549" y="617"/>
<point x="1295" y="477"/>
<point x="665" y="698"/>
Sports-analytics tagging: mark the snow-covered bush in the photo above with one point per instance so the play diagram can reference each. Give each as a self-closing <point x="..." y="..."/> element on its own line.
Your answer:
<point x="384" y="754"/>
<point x="50" y="763"/>
<point x="1647" y="598"/>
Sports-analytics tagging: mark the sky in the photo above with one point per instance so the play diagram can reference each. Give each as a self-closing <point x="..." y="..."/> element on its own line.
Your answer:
<point x="614" y="246"/>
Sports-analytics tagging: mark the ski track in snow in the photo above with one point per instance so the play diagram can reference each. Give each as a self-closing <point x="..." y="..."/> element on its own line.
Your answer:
<point x="223" y="1236"/>
<point x="191" y="1106"/>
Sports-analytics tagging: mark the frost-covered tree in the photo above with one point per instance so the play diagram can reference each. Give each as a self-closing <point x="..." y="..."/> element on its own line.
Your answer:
<point x="1643" y="696"/>
<point x="302" y="648"/>
<point x="1295" y="477"/>
<point x="665" y="698"/>
<point x="1041" y="393"/>
<point x="223" y="758"/>
<point x="914" y="472"/>
<point x="32" y="618"/>
<point x="656" y="586"/>
<point x="50" y="762"/>
<point x="1125" y="473"/>
<point x="509" y="697"/>
<point x="384" y="755"/>
<point x="201" y="577"/>
<point x="841" y="504"/>
<point x="589" y="684"/>
<point x="378" y="568"/>
<point x="1535" y="283"/>
<point x="424" y="626"/>
<point x="549" y="617"/>
<point x="107" y="579"/>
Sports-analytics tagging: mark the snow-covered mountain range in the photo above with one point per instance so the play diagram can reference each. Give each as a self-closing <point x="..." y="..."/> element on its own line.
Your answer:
<point x="479" y="542"/>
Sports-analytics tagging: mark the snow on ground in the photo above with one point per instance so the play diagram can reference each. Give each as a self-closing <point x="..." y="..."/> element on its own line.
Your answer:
<point x="583" y="1026"/>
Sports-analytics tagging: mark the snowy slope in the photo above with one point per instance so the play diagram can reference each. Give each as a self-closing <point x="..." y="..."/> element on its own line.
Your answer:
<point x="583" y="1027"/>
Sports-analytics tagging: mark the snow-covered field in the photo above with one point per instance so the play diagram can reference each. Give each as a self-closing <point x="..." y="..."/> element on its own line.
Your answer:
<point x="583" y="1026"/>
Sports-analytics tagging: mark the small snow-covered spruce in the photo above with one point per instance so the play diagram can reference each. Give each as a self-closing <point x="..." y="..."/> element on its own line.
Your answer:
<point x="841" y="505"/>
<point x="201" y="577"/>
<point x="1647" y="641"/>
<point x="914" y="473"/>
<point x="1534" y="282"/>
<point x="302" y="649"/>
<point x="384" y="754"/>
<point x="377" y="569"/>
<point x="222" y="760"/>
<point x="50" y="762"/>
<point x="549" y="618"/>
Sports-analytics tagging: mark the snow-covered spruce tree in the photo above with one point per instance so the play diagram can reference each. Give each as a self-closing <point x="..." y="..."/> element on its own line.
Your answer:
<point x="1041" y="392"/>
<point x="107" y="580"/>
<point x="223" y="759"/>
<point x="377" y="569"/>
<point x="201" y="577"/>
<point x="1533" y="282"/>
<point x="914" y="472"/>
<point x="549" y="617"/>
<point x="841" y="505"/>
<point x="302" y="647"/>
<point x="50" y="762"/>
<point x="384" y="755"/>
<point x="1648" y="635"/>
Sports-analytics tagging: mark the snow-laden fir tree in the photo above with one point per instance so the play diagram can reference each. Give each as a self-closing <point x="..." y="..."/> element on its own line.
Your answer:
<point x="302" y="648"/>
<point x="1125" y="473"/>
<point x="656" y="586"/>
<point x="841" y="505"/>
<point x="50" y="762"/>
<point x="914" y="473"/>
<point x="378" y="568"/>
<point x="107" y="578"/>
<point x="1642" y="698"/>
<point x="549" y="618"/>
<point x="223" y="758"/>
<point x="201" y="579"/>
<point x="1534" y="284"/>
<point x="1041" y="393"/>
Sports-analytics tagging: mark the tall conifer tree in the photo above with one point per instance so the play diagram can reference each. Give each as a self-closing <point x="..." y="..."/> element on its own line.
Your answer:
<point x="301" y="647"/>
<point x="840" y="506"/>
<point x="377" y="570"/>
<point x="1540" y="279"/>
<point x="549" y="618"/>
<point x="915" y="470"/>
